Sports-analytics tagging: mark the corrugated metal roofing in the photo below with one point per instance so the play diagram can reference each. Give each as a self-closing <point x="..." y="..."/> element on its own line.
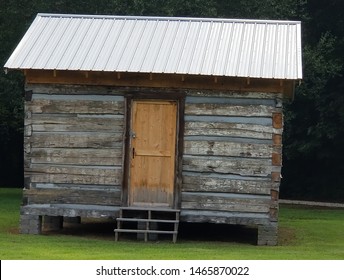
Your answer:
<point x="197" y="46"/>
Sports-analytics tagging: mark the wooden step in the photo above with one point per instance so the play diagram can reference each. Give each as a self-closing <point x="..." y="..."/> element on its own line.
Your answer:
<point x="153" y="216"/>
<point x="146" y="231"/>
<point x="146" y="220"/>
<point x="154" y="209"/>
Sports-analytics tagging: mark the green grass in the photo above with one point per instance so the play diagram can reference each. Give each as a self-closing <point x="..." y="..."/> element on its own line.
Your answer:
<point x="304" y="233"/>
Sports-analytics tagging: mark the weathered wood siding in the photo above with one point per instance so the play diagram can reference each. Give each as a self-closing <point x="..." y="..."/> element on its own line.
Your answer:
<point x="232" y="156"/>
<point x="74" y="138"/>
<point x="74" y="146"/>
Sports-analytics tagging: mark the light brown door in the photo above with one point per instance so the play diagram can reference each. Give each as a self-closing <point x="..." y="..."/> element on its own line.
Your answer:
<point x="152" y="153"/>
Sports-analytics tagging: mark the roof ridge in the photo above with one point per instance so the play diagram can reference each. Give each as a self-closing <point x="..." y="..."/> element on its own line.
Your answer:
<point x="196" y="19"/>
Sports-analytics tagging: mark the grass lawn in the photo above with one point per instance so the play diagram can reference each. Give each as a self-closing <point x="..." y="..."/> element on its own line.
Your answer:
<point x="304" y="233"/>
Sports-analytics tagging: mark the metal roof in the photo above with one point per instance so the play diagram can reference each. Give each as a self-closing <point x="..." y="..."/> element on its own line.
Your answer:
<point x="196" y="46"/>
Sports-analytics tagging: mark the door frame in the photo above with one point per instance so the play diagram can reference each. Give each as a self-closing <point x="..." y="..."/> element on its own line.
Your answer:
<point x="163" y="95"/>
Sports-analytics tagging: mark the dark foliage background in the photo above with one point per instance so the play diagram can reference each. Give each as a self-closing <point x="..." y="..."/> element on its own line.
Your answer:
<point x="314" y="121"/>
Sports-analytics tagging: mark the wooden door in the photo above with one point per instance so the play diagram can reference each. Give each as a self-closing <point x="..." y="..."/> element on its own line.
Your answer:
<point x="152" y="153"/>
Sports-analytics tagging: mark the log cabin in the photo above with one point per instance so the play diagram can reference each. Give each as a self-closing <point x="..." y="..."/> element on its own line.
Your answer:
<point x="155" y="120"/>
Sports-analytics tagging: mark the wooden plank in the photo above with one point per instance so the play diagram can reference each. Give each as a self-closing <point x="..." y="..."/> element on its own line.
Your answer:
<point x="88" y="97"/>
<point x="73" y="90"/>
<point x="77" y="156"/>
<point x="75" y="179"/>
<point x="229" y="110"/>
<point x="228" y="129"/>
<point x="264" y="121"/>
<point x="202" y="183"/>
<point x="230" y="101"/>
<point x="234" y="94"/>
<point x="74" y="170"/>
<point x="224" y="205"/>
<point x="225" y="165"/>
<point x="224" y="202"/>
<point x="81" y="140"/>
<point x="76" y="186"/>
<point x="71" y="210"/>
<point x="76" y="106"/>
<point x="227" y="149"/>
<point x="70" y="123"/>
<point x="80" y="196"/>
<point x="222" y="217"/>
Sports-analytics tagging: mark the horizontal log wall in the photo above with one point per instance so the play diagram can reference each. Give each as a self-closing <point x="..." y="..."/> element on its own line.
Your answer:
<point x="232" y="156"/>
<point x="74" y="146"/>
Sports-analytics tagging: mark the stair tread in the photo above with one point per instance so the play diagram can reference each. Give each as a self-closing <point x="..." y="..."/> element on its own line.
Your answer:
<point x="146" y="231"/>
<point x="155" y="209"/>
<point x="146" y="220"/>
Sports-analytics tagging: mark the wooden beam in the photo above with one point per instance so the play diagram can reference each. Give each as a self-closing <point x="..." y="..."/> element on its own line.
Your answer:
<point x="276" y="176"/>
<point x="277" y="120"/>
<point x="274" y="195"/>
<point x="277" y="139"/>
<point x="173" y="81"/>
<point x="276" y="159"/>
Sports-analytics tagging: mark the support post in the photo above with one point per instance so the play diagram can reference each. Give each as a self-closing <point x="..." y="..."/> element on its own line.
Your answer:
<point x="267" y="234"/>
<point x="30" y="224"/>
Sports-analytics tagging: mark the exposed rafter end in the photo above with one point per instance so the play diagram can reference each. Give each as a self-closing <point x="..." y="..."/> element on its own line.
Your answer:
<point x="118" y="75"/>
<point x="183" y="78"/>
<point x="86" y="74"/>
<point x="248" y="81"/>
<point x="281" y="83"/>
<point x="215" y="80"/>
<point x="150" y="76"/>
<point x="54" y="73"/>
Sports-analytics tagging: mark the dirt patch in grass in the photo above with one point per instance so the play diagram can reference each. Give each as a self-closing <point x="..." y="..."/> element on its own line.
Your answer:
<point x="286" y="236"/>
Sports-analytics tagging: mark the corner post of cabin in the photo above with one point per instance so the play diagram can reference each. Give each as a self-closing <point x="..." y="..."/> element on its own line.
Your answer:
<point x="268" y="234"/>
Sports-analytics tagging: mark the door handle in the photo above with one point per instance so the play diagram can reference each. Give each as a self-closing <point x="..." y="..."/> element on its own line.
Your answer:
<point x="132" y="134"/>
<point x="133" y="152"/>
